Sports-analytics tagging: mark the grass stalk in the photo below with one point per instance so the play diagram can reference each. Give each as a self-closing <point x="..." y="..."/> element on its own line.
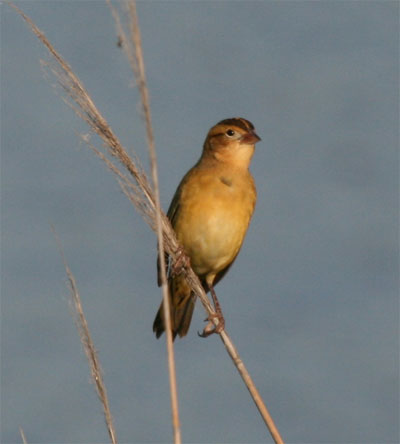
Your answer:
<point x="23" y="437"/>
<point x="133" y="50"/>
<point x="88" y="346"/>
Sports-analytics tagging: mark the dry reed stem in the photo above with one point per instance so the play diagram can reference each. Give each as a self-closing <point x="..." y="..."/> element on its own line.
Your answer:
<point x="88" y="345"/>
<point x="144" y="201"/>
<point x="23" y="437"/>
<point x="137" y="64"/>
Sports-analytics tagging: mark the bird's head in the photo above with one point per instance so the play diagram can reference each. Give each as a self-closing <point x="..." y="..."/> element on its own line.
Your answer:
<point x="231" y="141"/>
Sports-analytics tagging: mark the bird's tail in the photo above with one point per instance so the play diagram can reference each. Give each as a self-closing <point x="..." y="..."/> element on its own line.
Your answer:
<point x="182" y="301"/>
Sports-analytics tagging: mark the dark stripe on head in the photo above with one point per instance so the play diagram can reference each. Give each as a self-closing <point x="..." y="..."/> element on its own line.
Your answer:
<point x="239" y="122"/>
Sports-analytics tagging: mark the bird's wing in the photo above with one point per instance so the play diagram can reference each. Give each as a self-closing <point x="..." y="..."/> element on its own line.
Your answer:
<point x="172" y="213"/>
<point x="223" y="272"/>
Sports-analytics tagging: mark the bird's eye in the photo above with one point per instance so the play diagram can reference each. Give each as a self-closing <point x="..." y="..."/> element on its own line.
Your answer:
<point x="230" y="133"/>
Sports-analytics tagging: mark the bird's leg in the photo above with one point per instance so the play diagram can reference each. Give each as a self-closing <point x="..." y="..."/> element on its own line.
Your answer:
<point x="218" y="310"/>
<point x="211" y="328"/>
<point x="182" y="261"/>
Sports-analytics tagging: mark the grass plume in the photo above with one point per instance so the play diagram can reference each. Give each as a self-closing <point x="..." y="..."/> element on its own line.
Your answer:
<point x="88" y="345"/>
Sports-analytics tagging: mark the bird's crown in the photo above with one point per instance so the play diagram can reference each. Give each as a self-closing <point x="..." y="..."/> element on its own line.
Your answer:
<point x="239" y="122"/>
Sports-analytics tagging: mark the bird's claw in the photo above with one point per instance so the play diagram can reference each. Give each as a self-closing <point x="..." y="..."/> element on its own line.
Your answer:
<point x="211" y="328"/>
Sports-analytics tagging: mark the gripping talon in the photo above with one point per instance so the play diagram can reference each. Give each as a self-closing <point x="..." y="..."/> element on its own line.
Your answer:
<point x="211" y="328"/>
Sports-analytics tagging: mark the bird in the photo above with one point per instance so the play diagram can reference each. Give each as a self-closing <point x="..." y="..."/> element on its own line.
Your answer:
<point x="210" y="213"/>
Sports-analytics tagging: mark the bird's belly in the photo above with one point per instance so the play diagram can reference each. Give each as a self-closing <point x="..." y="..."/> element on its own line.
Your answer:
<point x="212" y="233"/>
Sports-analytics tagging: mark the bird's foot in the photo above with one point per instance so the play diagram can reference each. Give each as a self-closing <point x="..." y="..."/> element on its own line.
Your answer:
<point x="211" y="328"/>
<point x="182" y="261"/>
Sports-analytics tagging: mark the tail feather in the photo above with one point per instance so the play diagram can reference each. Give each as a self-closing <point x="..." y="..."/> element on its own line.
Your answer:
<point x="182" y="303"/>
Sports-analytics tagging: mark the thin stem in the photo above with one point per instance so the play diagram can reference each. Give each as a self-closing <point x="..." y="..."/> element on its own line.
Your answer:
<point x="262" y="408"/>
<point x="140" y="75"/>
<point x="88" y="346"/>
<point x="23" y="437"/>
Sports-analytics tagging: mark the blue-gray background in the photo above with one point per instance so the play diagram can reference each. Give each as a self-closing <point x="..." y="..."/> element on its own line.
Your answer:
<point x="311" y="302"/>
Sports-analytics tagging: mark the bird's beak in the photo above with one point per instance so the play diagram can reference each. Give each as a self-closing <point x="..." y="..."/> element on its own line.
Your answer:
<point x="250" y="138"/>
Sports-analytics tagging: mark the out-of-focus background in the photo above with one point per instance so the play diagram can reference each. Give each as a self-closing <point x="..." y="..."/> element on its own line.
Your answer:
<point x="312" y="300"/>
